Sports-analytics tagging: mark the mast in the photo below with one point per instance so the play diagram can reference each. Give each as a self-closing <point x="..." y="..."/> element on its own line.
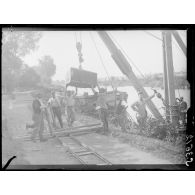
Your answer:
<point x="170" y="77"/>
<point x="165" y="80"/>
<point x="126" y="69"/>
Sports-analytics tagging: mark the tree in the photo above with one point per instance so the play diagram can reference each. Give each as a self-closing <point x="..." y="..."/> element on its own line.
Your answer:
<point x="46" y="69"/>
<point x="15" y="45"/>
<point x="29" y="78"/>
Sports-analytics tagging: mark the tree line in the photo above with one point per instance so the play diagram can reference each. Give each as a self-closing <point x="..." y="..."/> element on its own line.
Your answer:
<point x="15" y="73"/>
<point x="153" y="80"/>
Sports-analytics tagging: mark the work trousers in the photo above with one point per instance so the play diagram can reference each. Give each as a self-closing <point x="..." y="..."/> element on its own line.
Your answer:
<point x="38" y="126"/>
<point x="47" y="118"/>
<point x="122" y="119"/>
<point x="57" y="113"/>
<point x="70" y="115"/>
<point x="182" y="117"/>
<point x="104" y="118"/>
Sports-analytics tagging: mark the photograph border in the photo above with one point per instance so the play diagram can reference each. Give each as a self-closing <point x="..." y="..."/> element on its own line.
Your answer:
<point x="190" y="77"/>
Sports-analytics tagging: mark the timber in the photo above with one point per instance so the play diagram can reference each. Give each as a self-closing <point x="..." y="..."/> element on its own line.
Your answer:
<point x="180" y="42"/>
<point x="165" y="82"/>
<point x="66" y="132"/>
<point x="170" y="76"/>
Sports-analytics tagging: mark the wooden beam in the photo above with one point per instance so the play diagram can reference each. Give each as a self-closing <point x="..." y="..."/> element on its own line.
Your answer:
<point x="79" y="129"/>
<point x="170" y="76"/>
<point x="180" y="42"/>
<point x="165" y="75"/>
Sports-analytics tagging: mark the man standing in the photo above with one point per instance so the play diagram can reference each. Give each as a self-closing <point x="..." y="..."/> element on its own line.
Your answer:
<point x="70" y="104"/>
<point x="56" y="110"/>
<point x="46" y="116"/>
<point x="121" y="112"/>
<point x="103" y="109"/>
<point x="182" y="110"/>
<point x="37" y="118"/>
<point x="140" y="108"/>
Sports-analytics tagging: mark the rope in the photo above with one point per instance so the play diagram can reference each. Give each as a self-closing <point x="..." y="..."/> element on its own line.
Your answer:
<point x="75" y="36"/>
<point x="127" y="56"/>
<point x="149" y="33"/>
<point x="80" y="37"/>
<point x="101" y="60"/>
<point x="174" y="42"/>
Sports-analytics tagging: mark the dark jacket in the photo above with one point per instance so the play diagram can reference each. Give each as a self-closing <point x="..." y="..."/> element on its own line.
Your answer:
<point x="36" y="106"/>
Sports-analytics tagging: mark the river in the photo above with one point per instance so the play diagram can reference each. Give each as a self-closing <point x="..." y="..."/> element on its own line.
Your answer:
<point x="132" y="97"/>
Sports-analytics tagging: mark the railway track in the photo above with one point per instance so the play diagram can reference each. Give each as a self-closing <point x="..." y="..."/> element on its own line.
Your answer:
<point x="73" y="146"/>
<point x="82" y="153"/>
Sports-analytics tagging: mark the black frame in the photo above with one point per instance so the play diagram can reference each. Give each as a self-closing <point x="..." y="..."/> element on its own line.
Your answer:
<point x="190" y="72"/>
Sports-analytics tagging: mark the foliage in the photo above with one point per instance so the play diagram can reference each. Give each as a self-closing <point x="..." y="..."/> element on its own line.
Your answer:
<point x="46" y="69"/>
<point x="15" y="45"/>
<point x="29" y="78"/>
<point x="151" y="80"/>
<point x="20" y="43"/>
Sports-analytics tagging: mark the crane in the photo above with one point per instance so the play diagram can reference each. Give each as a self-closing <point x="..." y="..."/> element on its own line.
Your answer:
<point x="126" y="69"/>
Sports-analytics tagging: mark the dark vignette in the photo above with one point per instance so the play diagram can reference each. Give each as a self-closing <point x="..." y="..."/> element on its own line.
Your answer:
<point x="190" y="77"/>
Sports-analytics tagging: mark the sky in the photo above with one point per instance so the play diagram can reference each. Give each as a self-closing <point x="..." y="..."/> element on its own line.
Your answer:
<point x="143" y="49"/>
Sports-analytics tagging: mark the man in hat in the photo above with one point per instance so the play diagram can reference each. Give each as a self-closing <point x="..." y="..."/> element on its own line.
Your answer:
<point x="140" y="108"/>
<point x="102" y="107"/>
<point x="121" y="111"/>
<point x="46" y="115"/>
<point x="37" y="118"/>
<point x="182" y="110"/>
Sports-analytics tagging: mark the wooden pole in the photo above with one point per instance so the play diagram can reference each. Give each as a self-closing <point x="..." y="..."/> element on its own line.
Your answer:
<point x="165" y="80"/>
<point x="170" y="76"/>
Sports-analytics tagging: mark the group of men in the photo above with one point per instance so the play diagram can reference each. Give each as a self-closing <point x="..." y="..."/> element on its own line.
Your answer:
<point x="121" y="110"/>
<point x="139" y="107"/>
<point x="44" y="110"/>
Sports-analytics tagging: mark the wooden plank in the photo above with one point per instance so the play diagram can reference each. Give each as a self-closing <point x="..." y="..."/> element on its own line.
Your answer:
<point x="66" y="133"/>
<point x="62" y="130"/>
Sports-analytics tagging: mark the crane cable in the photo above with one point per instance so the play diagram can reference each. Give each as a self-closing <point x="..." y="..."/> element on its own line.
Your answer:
<point x="127" y="56"/>
<point x="81" y="37"/>
<point x="159" y="39"/>
<point x="101" y="60"/>
<point x="174" y="43"/>
<point x="75" y="34"/>
<point x="134" y="63"/>
<point x="149" y="33"/>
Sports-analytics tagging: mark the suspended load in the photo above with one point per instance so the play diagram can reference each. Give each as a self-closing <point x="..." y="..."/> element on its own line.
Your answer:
<point x="81" y="78"/>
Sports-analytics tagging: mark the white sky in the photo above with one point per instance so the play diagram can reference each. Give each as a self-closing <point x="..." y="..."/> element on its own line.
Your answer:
<point x="143" y="49"/>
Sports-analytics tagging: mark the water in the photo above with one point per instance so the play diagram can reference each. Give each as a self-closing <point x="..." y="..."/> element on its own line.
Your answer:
<point x="132" y="97"/>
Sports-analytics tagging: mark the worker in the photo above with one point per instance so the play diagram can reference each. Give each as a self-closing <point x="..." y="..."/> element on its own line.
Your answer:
<point x="37" y="117"/>
<point x="121" y="111"/>
<point x="70" y="107"/>
<point x="56" y="110"/>
<point x="102" y="108"/>
<point x="182" y="110"/>
<point x="46" y="115"/>
<point x="140" y="108"/>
